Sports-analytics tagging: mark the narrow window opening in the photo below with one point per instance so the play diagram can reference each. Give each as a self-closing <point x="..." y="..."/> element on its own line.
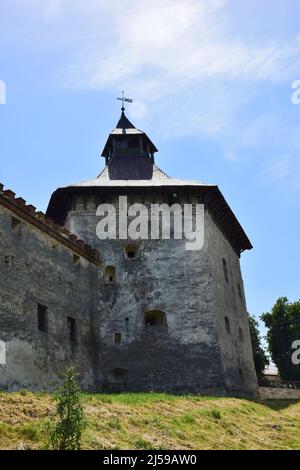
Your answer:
<point x="240" y="292"/>
<point x="72" y="328"/>
<point x="42" y="317"/>
<point x="227" y="325"/>
<point x="117" y="338"/>
<point x="133" y="143"/>
<point x="131" y="251"/>
<point x="225" y="269"/>
<point x="15" y="224"/>
<point x="155" y="318"/>
<point x="118" y="375"/>
<point x="110" y="274"/>
<point x="126" y="320"/>
<point x="241" y="334"/>
<point x="122" y="144"/>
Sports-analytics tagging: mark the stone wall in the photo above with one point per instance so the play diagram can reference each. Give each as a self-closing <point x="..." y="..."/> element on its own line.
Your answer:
<point x="190" y="349"/>
<point x="36" y="268"/>
<point x="192" y="352"/>
<point x="270" y="393"/>
<point x="231" y="313"/>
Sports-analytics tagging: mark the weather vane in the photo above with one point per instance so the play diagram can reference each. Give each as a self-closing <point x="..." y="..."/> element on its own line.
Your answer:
<point x="124" y="100"/>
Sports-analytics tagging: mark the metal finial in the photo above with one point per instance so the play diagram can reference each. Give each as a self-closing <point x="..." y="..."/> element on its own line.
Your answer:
<point x="124" y="100"/>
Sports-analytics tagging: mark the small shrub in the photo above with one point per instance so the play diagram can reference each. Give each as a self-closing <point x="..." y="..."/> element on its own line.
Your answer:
<point x="188" y="419"/>
<point x="216" y="414"/>
<point x="69" y="422"/>
<point x="115" y="423"/>
<point x="184" y="419"/>
<point x="31" y="431"/>
<point x="156" y="421"/>
<point x="143" y="444"/>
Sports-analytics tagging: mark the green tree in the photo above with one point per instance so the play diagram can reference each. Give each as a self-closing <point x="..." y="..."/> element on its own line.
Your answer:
<point x="260" y="358"/>
<point x="283" y="323"/>
<point x="69" y="421"/>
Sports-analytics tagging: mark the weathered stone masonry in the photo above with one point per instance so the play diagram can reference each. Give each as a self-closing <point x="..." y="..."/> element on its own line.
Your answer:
<point x="151" y="316"/>
<point x="43" y="266"/>
<point x="192" y="352"/>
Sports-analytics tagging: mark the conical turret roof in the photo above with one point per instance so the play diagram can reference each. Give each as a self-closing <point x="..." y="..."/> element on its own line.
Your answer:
<point x="126" y="128"/>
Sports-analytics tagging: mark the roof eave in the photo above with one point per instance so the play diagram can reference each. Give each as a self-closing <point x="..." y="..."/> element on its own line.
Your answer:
<point x="111" y="136"/>
<point x="220" y="210"/>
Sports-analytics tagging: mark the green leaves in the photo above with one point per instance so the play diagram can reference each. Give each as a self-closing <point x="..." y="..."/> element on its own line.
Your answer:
<point x="283" y="323"/>
<point x="69" y="423"/>
<point x="260" y="358"/>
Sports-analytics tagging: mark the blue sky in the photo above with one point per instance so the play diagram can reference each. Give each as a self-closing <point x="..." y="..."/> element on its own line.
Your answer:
<point x="211" y="82"/>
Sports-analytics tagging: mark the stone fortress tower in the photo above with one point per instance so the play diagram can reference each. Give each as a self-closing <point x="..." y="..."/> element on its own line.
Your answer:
<point x="161" y="318"/>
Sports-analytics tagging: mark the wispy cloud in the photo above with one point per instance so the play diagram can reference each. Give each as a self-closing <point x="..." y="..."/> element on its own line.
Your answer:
<point x="187" y="70"/>
<point x="191" y="76"/>
<point x="161" y="42"/>
<point x="159" y="49"/>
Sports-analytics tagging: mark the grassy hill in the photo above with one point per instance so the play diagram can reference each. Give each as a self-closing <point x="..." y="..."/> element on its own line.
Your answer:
<point x="157" y="421"/>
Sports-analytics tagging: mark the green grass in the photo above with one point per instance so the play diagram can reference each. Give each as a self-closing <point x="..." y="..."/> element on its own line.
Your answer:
<point x="216" y="414"/>
<point x="156" y="421"/>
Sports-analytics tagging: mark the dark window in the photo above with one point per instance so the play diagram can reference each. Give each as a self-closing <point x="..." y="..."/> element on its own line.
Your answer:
<point x="126" y="320"/>
<point x="122" y="144"/>
<point x="155" y="318"/>
<point x="110" y="274"/>
<point x="72" y="328"/>
<point x="15" y="223"/>
<point x="118" y="375"/>
<point x="241" y="334"/>
<point x="225" y="270"/>
<point x="117" y="338"/>
<point x="240" y="292"/>
<point x="133" y="143"/>
<point x="227" y="325"/>
<point x="42" y="317"/>
<point x="131" y="251"/>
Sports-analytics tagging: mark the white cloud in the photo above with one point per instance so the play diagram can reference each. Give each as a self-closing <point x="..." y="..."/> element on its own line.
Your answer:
<point x="187" y="70"/>
<point x="178" y="42"/>
<point x="159" y="49"/>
